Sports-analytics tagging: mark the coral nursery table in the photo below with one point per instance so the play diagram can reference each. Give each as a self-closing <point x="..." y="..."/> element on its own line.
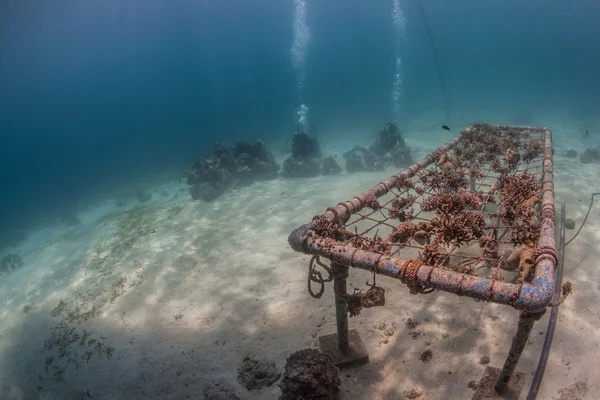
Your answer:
<point x="474" y="218"/>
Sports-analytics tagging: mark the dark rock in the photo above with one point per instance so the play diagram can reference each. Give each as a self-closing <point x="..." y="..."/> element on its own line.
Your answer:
<point x="354" y="163"/>
<point x="571" y="153"/>
<point x="585" y="158"/>
<point x="301" y="167"/>
<point x="10" y="262"/>
<point x="589" y="156"/>
<point x="569" y="223"/>
<point x="331" y="166"/>
<point x="218" y="391"/>
<point x="310" y="374"/>
<point x="257" y="374"/>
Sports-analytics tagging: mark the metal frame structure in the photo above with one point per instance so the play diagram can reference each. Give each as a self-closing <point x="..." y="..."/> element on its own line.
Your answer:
<point x="530" y="298"/>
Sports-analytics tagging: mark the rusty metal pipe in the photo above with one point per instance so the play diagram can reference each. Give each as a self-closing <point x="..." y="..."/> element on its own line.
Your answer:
<point x="520" y="296"/>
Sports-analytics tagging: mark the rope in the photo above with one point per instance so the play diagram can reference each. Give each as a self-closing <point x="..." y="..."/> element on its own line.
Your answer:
<point x="408" y="276"/>
<point x="584" y="220"/>
<point x="546" y="251"/>
<point x="566" y="290"/>
<point x="317" y="277"/>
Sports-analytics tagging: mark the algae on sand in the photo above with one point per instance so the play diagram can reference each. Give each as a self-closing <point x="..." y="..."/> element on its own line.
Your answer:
<point x="70" y="346"/>
<point x="132" y="226"/>
<point x="66" y="236"/>
<point x="75" y="345"/>
<point x="127" y="228"/>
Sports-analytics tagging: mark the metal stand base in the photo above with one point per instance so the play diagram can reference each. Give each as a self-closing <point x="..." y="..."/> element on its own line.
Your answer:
<point x="354" y="354"/>
<point x="485" y="389"/>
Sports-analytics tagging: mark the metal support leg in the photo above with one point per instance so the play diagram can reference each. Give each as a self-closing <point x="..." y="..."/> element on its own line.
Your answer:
<point x="505" y="383"/>
<point x="345" y="346"/>
<point x="539" y="373"/>
<point x="340" y="273"/>
<point x="526" y="322"/>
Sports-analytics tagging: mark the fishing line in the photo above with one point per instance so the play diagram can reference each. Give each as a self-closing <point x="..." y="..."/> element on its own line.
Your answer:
<point x="435" y="56"/>
<point x="584" y="220"/>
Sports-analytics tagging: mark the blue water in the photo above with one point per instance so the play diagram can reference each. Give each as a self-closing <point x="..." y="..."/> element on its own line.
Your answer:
<point x="95" y="94"/>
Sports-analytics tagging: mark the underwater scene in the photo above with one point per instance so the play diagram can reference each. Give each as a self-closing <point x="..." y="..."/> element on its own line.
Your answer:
<point x="299" y="199"/>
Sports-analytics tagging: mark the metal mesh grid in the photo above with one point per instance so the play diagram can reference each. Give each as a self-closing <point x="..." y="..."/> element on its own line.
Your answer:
<point x="466" y="207"/>
<point x="385" y="224"/>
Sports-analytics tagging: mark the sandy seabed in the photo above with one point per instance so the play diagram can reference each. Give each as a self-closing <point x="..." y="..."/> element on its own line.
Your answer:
<point x="155" y="301"/>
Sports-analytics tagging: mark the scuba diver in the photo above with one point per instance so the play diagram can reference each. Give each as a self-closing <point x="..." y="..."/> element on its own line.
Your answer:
<point x="388" y="139"/>
<point x="304" y="144"/>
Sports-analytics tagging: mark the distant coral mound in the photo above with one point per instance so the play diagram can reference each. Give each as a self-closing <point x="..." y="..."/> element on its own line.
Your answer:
<point x="240" y="164"/>
<point x="10" y="262"/>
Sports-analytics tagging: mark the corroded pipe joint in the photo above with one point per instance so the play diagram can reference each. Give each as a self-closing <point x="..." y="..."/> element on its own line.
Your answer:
<point x="547" y="252"/>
